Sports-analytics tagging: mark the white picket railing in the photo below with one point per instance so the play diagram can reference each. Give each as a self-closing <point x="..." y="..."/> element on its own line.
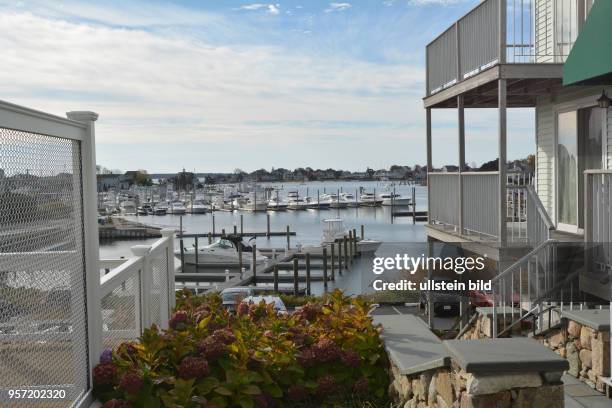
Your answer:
<point x="138" y="292"/>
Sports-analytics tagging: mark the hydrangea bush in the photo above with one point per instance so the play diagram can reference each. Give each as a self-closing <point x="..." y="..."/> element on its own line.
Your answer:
<point x="208" y="358"/>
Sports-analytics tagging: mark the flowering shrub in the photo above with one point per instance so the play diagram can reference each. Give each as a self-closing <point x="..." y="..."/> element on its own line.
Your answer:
<point x="209" y="358"/>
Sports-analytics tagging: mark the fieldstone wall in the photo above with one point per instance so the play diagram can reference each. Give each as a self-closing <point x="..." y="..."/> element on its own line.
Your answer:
<point x="482" y="327"/>
<point x="452" y="387"/>
<point x="586" y="350"/>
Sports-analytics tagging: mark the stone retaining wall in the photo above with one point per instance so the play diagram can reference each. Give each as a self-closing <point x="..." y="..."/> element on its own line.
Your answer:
<point x="452" y="387"/>
<point x="482" y="327"/>
<point x="586" y="350"/>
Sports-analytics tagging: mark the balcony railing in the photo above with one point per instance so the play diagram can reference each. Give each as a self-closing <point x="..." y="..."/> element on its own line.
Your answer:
<point x="598" y="216"/>
<point x="475" y="211"/>
<point x="503" y="31"/>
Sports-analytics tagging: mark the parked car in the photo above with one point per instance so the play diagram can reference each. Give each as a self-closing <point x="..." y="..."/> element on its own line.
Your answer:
<point x="279" y="306"/>
<point x="443" y="302"/>
<point x="231" y="297"/>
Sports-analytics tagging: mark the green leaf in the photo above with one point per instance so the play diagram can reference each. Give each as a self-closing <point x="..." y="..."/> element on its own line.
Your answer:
<point x="221" y="390"/>
<point x="251" y="390"/>
<point x="206" y="385"/>
<point x="245" y="401"/>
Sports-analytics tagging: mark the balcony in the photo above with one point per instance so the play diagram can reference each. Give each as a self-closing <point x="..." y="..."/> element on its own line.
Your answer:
<point x="519" y="40"/>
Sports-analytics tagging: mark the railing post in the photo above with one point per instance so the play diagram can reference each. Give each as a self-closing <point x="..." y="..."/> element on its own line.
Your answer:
<point x="91" y="243"/>
<point x="461" y="122"/>
<point x="429" y="161"/>
<point x="170" y="298"/>
<point x="502" y="31"/>
<point x="502" y="230"/>
<point x="145" y="284"/>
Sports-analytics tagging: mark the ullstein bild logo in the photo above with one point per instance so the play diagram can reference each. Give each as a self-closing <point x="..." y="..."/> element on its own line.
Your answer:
<point x="413" y="264"/>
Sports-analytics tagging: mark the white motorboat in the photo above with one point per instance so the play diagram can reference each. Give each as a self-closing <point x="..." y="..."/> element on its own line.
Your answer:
<point x="349" y="199"/>
<point x="177" y="208"/>
<point x="128" y="208"/>
<point x="391" y="199"/>
<point x="221" y="252"/>
<point x="254" y="203"/>
<point x="368" y="200"/>
<point x="316" y="203"/>
<point x="197" y="207"/>
<point x="276" y="204"/>
<point x="160" y="209"/>
<point x="335" y="201"/>
<point x="295" y="202"/>
<point x="366" y="246"/>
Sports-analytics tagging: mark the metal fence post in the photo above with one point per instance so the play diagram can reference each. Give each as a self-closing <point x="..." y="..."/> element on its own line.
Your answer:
<point x="145" y="284"/>
<point x="171" y="298"/>
<point x="90" y="234"/>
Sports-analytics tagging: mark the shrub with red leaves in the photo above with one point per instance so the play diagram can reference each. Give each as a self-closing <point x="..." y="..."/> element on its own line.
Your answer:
<point x="117" y="403"/>
<point x="297" y="392"/>
<point x="179" y="320"/>
<point x="242" y="309"/>
<point x="104" y="374"/>
<point x="327" y="385"/>
<point x="351" y="358"/>
<point x="326" y="350"/>
<point x="131" y="382"/>
<point x="361" y="386"/>
<point x="307" y="357"/>
<point x="193" y="367"/>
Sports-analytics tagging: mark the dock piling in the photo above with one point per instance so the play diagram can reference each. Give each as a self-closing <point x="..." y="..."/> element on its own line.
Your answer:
<point x="354" y="242"/>
<point x="325" y="268"/>
<point x="340" y="258"/>
<point x="213" y="224"/>
<point x="235" y="230"/>
<point x="268" y="223"/>
<point x="241" y="224"/>
<point x="296" y="289"/>
<point x="182" y="255"/>
<point x="346" y="254"/>
<point x="288" y="238"/>
<point x="333" y="261"/>
<point x="413" y="205"/>
<point x="239" y="258"/>
<point x="209" y="238"/>
<point x="308" y="273"/>
<point x="254" y="264"/>
<point x="196" y="253"/>
<point x="275" y="278"/>
<point x="362" y="232"/>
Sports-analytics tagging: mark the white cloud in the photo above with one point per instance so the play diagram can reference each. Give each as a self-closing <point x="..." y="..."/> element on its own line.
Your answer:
<point x="273" y="9"/>
<point x="337" y="7"/>
<point x="254" y="6"/>
<point x="169" y="88"/>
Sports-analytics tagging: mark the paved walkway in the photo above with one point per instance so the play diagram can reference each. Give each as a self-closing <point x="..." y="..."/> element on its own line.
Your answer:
<point x="580" y="395"/>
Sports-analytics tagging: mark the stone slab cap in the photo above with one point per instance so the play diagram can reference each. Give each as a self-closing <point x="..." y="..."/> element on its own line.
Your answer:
<point x="411" y="346"/>
<point x="497" y="356"/>
<point x="488" y="311"/>
<point x="593" y="318"/>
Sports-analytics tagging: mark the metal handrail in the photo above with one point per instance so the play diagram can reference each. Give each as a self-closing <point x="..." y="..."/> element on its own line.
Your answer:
<point x="523" y="260"/>
<point x="540" y="207"/>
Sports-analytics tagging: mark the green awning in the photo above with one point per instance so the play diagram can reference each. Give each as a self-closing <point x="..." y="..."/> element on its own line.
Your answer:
<point x="590" y="60"/>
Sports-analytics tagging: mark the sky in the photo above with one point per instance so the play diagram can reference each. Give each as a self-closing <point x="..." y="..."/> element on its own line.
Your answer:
<point x="216" y="85"/>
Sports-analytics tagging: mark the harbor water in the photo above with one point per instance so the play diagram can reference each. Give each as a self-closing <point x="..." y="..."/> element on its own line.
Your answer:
<point x="398" y="234"/>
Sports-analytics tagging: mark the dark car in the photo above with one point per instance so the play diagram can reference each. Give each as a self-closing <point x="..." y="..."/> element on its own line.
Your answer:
<point x="443" y="302"/>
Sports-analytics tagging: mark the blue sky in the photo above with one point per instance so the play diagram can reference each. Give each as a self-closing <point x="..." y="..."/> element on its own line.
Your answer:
<point x="224" y="84"/>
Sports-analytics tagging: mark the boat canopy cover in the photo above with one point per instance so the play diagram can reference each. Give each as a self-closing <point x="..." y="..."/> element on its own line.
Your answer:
<point x="590" y="60"/>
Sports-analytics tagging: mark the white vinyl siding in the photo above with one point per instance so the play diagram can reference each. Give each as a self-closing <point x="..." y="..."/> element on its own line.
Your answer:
<point x="545" y="155"/>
